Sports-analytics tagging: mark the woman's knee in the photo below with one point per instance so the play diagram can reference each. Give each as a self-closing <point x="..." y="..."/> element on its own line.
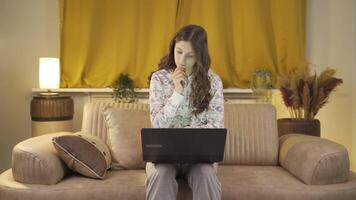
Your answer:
<point x="203" y="174"/>
<point x="165" y="170"/>
<point x="202" y="170"/>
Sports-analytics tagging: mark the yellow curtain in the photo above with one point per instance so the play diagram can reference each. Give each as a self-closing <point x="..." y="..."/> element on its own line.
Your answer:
<point x="102" y="38"/>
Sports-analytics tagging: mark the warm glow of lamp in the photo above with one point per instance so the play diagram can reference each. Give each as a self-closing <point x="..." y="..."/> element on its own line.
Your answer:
<point x="49" y="73"/>
<point x="50" y="112"/>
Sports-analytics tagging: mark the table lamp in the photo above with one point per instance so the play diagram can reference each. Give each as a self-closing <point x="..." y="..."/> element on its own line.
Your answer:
<point x="50" y="112"/>
<point x="49" y="75"/>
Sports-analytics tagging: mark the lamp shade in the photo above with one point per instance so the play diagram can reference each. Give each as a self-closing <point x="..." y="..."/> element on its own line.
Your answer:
<point x="49" y="73"/>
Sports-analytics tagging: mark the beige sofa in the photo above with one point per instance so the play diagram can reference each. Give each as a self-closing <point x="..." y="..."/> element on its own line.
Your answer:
<point x="257" y="164"/>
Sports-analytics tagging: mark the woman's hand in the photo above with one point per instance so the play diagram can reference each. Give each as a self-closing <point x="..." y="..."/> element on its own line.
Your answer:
<point x="178" y="76"/>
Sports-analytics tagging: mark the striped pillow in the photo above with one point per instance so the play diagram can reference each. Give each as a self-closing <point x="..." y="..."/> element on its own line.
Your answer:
<point x="84" y="154"/>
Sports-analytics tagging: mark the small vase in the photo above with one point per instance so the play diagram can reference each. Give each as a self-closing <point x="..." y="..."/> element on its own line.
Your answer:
<point x="302" y="126"/>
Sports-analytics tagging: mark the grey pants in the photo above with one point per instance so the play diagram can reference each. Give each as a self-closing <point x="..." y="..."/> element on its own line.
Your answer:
<point x="202" y="179"/>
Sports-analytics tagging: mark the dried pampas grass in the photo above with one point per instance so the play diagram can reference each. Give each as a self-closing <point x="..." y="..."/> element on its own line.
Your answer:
<point x="305" y="94"/>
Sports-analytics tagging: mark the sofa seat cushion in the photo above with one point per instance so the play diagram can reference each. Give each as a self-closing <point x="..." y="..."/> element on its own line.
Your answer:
<point x="238" y="182"/>
<point x="273" y="182"/>
<point x="118" y="184"/>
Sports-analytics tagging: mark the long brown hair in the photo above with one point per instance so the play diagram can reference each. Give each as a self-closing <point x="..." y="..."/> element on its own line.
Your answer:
<point x="197" y="36"/>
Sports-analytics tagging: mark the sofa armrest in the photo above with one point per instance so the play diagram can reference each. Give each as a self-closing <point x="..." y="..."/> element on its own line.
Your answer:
<point x="35" y="161"/>
<point x="314" y="160"/>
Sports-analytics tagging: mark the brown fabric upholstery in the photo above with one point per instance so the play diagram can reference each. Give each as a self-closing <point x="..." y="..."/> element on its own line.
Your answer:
<point x="84" y="153"/>
<point x="314" y="160"/>
<point x="238" y="182"/>
<point x="36" y="161"/>
<point x="252" y="137"/>
<point x="124" y="130"/>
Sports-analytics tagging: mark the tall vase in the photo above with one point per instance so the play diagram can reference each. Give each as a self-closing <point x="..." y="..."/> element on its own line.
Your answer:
<point x="301" y="126"/>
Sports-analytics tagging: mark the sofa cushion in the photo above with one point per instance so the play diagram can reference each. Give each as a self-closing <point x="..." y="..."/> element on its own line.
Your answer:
<point x="124" y="130"/>
<point x="93" y="119"/>
<point x="252" y="137"/>
<point x="275" y="183"/>
<point x="84" y="153"/>
<point x="118" y="184"/>
<point x="314" y="160"/>
<point x="36" y="161"/>
<point x="238" y="182"/>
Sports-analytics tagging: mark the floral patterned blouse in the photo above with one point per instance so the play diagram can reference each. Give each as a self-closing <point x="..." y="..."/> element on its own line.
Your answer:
<point x="169" y="109"/>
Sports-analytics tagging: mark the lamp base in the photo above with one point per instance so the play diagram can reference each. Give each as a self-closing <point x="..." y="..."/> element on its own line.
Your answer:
<point x="51" y="112"/>
<point x="52" y="108"/>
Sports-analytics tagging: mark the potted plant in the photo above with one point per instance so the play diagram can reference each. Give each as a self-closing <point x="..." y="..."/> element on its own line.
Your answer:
<point x="124" y="89"/>
<point x="261" y="84"/>
<point x="305" y="94"/>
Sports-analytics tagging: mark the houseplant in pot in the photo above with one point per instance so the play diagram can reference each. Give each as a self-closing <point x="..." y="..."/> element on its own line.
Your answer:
<point x="261" y="84"/>
<point x="304" y="94"/>
<point x="124" y="90"/>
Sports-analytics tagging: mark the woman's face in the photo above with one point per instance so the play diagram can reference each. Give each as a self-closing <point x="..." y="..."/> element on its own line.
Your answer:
<point x="184" y="56"/>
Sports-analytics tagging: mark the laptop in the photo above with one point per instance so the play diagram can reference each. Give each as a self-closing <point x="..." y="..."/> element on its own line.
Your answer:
<point x="183" y="145"/>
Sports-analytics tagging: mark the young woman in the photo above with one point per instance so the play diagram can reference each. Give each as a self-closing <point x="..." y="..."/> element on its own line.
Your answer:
<point x="184" y="92"/>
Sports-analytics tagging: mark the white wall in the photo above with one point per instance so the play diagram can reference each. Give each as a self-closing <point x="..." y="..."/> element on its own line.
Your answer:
<point x="28" y="30"/>
<point x="331" y="42"/>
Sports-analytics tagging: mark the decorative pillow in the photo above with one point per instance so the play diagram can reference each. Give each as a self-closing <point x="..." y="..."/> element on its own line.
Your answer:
<point x="84" y="153"/>
<point x="314" y="160"/>
<point x="124" y="133"/>
<point x="39" y="163"/>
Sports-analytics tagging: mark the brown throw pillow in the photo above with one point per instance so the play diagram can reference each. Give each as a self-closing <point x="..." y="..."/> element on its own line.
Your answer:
<point x="124" y="133"/>
<point x="84" y="153"/>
